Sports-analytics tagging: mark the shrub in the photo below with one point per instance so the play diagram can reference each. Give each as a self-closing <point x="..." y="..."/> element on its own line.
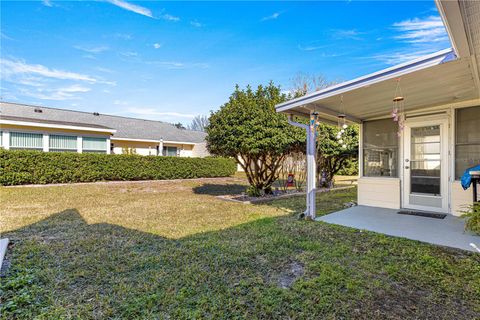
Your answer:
<point x="37" y="167"/>
<point x="472" y="216"/>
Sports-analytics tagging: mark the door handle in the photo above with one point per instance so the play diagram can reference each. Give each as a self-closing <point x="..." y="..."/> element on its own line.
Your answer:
<point x="407" y="167"/>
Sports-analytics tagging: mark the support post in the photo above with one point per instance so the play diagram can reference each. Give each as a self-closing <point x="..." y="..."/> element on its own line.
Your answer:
<point x="311" y="131"/>
<point x="160" y="148"/>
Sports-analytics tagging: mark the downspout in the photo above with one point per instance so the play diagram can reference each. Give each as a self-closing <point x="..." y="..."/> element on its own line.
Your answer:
<point x="311" y="163"/>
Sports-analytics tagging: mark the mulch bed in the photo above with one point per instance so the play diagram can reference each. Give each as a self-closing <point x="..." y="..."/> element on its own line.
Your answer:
<point x="244" y="198"/>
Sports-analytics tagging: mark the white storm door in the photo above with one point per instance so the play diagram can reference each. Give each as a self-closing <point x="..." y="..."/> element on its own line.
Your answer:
<point x="425" y="165"/>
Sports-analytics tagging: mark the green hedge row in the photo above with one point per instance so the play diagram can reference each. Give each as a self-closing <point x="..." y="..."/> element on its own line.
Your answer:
<point x="36" y="167"/>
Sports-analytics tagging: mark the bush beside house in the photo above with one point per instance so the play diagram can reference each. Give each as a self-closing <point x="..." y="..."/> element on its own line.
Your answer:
<point x="36" y="167"/>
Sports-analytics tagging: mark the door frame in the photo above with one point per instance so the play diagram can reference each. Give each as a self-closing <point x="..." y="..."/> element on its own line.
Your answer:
<point x="421" y="121"/>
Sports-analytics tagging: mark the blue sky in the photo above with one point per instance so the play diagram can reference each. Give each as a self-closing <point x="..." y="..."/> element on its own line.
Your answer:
<point x="171" y="61"/>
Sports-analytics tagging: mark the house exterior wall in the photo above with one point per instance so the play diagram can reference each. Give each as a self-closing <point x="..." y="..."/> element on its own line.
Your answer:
<point x="200" y="150"/>
<point x="379" y="192"/>
<point x="140" y="148"/>
<point x="461" y="199"/>
<point x="387" y="192"/>
<point x="143" y="148"/>
<point x="6" y="129"/>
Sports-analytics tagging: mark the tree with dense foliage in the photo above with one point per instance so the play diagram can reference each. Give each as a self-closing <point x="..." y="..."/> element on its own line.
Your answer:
<point x="248" y="129"/>
<point x="199" y="123"/>
<point x="332" y="156"/>
<point x="333" y="151"/>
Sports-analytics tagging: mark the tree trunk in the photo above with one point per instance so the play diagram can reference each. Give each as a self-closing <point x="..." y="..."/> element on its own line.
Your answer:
<point x="261" y="170"/>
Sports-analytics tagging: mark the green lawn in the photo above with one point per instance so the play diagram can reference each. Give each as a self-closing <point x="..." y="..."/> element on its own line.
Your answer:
<point x="171" y="250"/>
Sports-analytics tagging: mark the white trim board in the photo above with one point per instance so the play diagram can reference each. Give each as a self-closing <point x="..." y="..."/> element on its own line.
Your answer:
<point x="55" y="126"/>
<point x="153" y="141"/>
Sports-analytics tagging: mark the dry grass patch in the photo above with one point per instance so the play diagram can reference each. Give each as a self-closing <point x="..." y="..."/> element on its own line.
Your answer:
<point x="171" y="250"/>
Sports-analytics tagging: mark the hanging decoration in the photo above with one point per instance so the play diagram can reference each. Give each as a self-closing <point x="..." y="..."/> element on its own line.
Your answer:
<point x="342" y="124"/>
<point x="398" y="108"/>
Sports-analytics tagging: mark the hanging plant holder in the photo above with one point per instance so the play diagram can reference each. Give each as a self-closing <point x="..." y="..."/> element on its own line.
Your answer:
<point x="342" y="124"/>
<point x="398" y="108"/>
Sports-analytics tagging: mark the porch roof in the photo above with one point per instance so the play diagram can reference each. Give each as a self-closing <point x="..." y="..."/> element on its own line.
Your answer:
<point x="432" y="80"/>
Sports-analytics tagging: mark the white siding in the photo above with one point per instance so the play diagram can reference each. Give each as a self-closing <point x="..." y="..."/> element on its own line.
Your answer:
<point x="461" y="198"/>
<point x="200" y="150"/>
<point x="379" y="192"/>
<point x="143" y="151"/>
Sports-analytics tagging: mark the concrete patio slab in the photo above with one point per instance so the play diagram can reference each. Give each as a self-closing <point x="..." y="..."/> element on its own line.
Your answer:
<point x="447" y="232"/>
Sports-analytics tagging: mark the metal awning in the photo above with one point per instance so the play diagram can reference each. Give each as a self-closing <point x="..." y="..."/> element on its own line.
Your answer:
<point x="436" y="79"/>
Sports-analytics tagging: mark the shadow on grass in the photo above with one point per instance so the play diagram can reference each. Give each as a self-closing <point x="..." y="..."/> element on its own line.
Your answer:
<point x="64" y="267"/>
<point x="219" y="189"/>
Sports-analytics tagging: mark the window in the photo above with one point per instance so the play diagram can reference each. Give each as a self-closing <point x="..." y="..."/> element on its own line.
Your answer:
<point x="467" y="139"/>
<point x="24" y="140"/>
<point x="62" y="143"/>
<point x="380" y="148"/>
<point x="91" y="144"/>
<point x="170" y="151"/>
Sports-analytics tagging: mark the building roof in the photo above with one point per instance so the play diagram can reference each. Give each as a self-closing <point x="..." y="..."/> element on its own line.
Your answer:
<point x="128" y="128"/>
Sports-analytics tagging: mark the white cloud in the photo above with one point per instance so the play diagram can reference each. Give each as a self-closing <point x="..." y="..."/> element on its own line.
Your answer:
<point x="169" y="17"/>
<point x="124" y="36"/>
<point x="426" y="30"/>
<point x="273" y="16"/>
<point x="177" y="64"/>
<point x="93" y="50"/>
<point x="41" y="82"/>
<point x="120" y="103"/>
<point x="129" y="54"/>
<point x="17" y="67"/>
<point x="420" y="37"/>
<point x="157" y="45"/>
<point x="311" y="47"/>
<point x="132" y="7"/>
<point x="397" y="57"/>
<point x="4" y="36"/>
<point x="347" y="34"/>
<point x="155" y="112"/>
<point x="62" y="93"/>
<point x="106" y="70"/>
<point x="47" y="3"/>
<point x="196" y="24"/>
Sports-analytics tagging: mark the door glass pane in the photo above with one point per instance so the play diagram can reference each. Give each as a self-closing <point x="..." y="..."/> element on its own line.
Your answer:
<point x="425" y="166"/>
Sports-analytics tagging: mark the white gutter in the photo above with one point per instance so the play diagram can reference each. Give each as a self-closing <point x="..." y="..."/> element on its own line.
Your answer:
<point x="367" y="80"/>
<point x="55" y="126"/>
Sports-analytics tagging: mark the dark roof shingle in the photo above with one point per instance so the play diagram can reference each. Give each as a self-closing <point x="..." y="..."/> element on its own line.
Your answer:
<point x="129" y="128"/>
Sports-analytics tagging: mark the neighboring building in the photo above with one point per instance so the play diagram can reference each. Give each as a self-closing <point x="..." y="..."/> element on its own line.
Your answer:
<point x="418" y="166"/>
<point x="50" y="129"/>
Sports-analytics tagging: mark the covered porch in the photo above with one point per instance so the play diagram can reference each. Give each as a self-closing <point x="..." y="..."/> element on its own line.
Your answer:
<point x="448" y="232"/>
<point x="410" y="156"/>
